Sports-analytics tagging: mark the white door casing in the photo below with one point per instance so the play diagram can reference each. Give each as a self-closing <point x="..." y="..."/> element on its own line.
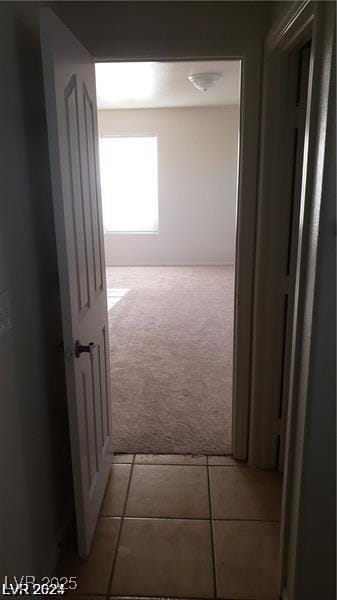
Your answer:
<point x="69" y="80"/>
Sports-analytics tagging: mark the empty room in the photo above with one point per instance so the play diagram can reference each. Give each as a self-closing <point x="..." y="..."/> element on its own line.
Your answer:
<point x="168" y="143"/>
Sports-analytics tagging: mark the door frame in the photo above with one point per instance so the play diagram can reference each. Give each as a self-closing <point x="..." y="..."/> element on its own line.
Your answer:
<point x="322" y="56"/>
<point x="304" y="21"/>
<point x="270" y="284"/>
<point x="247" y="187"/>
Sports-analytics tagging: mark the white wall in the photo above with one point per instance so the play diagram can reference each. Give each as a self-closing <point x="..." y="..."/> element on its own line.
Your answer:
<point x="197" y="181"/>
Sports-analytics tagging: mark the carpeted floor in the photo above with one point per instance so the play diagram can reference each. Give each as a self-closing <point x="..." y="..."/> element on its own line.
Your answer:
<point x="171" y="338"/>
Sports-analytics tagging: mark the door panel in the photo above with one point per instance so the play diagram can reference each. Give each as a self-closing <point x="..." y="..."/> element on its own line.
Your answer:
<point x="81" y="290"/>
<point x="73" y="145"/>
<point x="91" y="177"/>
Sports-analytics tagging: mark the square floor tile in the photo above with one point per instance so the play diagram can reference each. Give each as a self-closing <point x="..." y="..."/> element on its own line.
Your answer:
<point x="225" y="461"/>
<point x="170" y="459"/>
<point x="115" y="494"/>
<point x="245" y="493"/>
<point x="164" y="557"/>
<point x="246" y="559"/>
<point x="93" y="573"/>
<point x="168" y="491"/>
<point x="122" y="458"/>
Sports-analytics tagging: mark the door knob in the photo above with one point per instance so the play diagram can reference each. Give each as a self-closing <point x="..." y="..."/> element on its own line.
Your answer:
<point x="79" y="348"/>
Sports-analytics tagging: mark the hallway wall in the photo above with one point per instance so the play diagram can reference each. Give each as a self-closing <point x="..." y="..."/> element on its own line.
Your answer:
<point x="36" y="486"/>
<point x="197" y="184"/>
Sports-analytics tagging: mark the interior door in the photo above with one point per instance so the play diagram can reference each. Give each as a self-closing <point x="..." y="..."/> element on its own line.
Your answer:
<point x="69" y="79"/>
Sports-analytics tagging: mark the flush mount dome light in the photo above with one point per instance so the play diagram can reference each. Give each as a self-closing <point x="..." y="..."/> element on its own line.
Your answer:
<point x="204" y="81"/>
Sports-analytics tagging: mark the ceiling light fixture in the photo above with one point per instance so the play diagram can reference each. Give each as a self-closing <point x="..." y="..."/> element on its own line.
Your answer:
<point x="204" y="81"/>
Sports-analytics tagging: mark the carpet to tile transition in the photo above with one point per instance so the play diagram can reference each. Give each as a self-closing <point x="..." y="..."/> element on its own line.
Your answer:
<point x="171" y="348"/>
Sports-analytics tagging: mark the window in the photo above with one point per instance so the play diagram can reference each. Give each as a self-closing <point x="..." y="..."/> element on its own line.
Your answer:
<point x="129" y="182"/>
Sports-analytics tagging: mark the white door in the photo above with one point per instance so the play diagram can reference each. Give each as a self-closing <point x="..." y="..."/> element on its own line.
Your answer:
<point x="69" y="79"/>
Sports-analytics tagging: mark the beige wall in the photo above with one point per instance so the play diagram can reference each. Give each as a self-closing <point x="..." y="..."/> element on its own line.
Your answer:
<point x="197" y="181"/>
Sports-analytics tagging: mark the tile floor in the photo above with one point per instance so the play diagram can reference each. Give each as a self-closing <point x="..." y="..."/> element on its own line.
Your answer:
<point x="183" y="527"/>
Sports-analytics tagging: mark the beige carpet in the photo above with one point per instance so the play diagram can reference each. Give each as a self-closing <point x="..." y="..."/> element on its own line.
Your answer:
<point x="171" y="338"/>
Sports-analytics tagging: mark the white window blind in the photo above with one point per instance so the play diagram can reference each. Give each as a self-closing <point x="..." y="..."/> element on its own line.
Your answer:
<point x="129" y="181"/>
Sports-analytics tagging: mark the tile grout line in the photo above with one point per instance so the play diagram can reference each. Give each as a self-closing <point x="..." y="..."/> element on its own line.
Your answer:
<point x="171" y="464"/>
<point x="211" y="530"/>
<point x="207" y="462"/>
<point x="120" y="531"/>
<point x="176" y="518"/>
<point x="89" y="596"/>
<point x="149" y="597"/>
<point x="180" y="465"/>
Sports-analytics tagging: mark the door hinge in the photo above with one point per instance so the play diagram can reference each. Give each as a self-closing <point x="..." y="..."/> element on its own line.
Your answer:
<point x="67" y="352"/>
<point x="60" y="347"/>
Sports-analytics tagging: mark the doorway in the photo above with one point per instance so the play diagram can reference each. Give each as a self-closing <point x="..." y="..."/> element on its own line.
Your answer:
<point x="88" y="348"/>
<point x="169" y="170"/>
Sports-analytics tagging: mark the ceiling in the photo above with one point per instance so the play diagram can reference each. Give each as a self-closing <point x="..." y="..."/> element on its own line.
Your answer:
<point x="164" y="84"/>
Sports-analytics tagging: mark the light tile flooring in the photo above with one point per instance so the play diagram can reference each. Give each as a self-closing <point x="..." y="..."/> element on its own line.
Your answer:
<point x="183" y="527"/>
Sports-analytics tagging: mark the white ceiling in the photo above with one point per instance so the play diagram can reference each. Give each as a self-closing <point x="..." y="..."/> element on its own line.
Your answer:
<point x="164" y="84"/>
